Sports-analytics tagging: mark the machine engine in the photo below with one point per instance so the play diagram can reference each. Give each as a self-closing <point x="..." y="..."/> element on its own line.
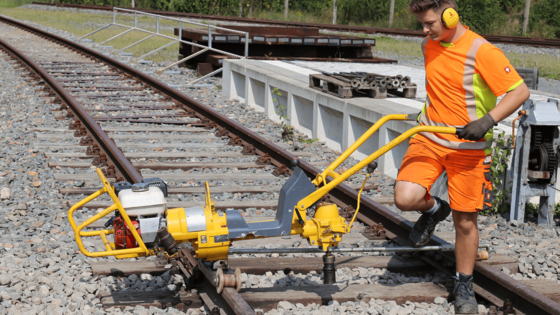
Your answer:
<point x="145" y="204"/>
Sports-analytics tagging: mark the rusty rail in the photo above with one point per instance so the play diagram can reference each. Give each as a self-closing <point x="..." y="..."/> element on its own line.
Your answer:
<point x="514" y="40"/>
<point x="486" y="277"/>
<point x="123" y="166"/>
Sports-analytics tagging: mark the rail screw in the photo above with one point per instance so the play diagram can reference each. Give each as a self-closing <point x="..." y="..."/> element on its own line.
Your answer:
<point x="329" y="272"/>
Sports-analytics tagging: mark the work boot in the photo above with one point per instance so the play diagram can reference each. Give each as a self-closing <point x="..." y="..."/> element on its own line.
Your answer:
<point x="465" y="302"/>
<point x="426" y="224"/>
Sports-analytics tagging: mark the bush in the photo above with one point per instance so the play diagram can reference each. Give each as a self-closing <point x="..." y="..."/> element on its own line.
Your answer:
<point x="544" y="19"/>
<point x="223" y="7"/>
<point x="481" y="16"/>
<point x="364" y="11"/>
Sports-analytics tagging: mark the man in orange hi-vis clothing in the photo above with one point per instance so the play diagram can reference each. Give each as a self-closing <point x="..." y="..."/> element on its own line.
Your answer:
<point x="464" y="76"/>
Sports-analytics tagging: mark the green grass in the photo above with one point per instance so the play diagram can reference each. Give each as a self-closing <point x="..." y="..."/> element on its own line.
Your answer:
<point x="549" y="66"/>
<point x="17" y="3"/>
<point x="81" y="24"/>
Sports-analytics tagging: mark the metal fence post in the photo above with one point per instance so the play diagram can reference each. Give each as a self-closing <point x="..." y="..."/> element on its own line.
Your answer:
<point x="526" y="17"/>
<point x="334" y="9"/>
<point x="157" y="25"/>
<point x="246" y="44"/>
<point x="135" y="19"/>
<point x="391" y="12"/>
<point x="180" y="30"/>
<point x="114" y="16"/>
<point x="209" y="37"/>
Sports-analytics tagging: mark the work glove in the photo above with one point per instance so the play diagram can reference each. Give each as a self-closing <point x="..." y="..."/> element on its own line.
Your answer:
<point x="476" y="130"/>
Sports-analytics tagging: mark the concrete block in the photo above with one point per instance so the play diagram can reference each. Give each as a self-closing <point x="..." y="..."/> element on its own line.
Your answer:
<point x="331" y="125"/>
<point x="238" y="87"/>
<point x="301" y="114"/>
<point x="256" y="94"/>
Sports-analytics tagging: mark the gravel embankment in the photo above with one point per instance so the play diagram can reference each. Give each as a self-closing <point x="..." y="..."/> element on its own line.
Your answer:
<point x="40" y="268"/>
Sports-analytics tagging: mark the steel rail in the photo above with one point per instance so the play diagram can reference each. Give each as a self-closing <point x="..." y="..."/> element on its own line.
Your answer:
<point x="514" y="40"/>
<point x="487" y="277"/>
<point x="123" y="165"/>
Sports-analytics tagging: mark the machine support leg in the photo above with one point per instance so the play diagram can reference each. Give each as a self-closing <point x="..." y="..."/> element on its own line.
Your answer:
<point x="329" y="272"/>
<point x="546" y="211"/>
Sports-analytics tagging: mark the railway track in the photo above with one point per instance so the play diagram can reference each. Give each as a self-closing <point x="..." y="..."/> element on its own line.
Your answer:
<point x="134" y="126"/>
<point x="514" y="40"/>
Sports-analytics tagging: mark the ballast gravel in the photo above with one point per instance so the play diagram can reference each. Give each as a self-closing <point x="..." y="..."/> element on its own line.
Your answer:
<point x="42" y="272"/>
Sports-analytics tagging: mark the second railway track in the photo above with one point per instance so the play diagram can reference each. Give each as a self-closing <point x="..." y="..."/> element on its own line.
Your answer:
<point x="108" y="114"/>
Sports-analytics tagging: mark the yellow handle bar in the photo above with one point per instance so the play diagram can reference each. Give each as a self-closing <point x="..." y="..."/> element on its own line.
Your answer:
<point x="320" y="192"/>
<point x="142" y="250"/>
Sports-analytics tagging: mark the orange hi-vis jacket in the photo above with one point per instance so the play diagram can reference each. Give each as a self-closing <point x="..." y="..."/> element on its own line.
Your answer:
<point x="463" y="81"/>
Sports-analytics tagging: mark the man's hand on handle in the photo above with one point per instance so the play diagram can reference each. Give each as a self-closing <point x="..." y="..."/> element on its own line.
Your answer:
<point x="475" y="130"/>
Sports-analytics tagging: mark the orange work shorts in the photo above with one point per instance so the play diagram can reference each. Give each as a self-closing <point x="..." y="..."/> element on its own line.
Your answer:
<point x="468" y="173"/>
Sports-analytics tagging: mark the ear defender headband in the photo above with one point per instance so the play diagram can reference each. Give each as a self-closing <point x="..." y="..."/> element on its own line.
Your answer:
<point x="449" y="17"/>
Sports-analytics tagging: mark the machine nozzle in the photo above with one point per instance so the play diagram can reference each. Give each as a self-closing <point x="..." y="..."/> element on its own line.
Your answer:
<point x="167" y="241"/>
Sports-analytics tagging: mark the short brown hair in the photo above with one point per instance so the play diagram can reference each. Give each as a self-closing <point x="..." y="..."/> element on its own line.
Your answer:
<point x="418" y="6"/>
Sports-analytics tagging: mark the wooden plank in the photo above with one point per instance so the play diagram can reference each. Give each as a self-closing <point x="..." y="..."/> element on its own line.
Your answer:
<point x="49" y="136"/>
<point x="168" y="155"/>
<point x="220" y="205"/>
<point x="204" y="68"/>
<point x="176" y="177"/>
<point x="330" y="85"/>
<point x="127" y="268"/>
<point x="248" y="265"/>
<point x="275" y="30"/>
<point x="190" y="190"/>
<point x="268" y="298"/>
<point x="547" y="287"/>
<point x="135" y="129"/>
<point x="228" y="189"/>
<point x="185" y="166"/>
<point x="161" y="299"/>
<point x="137" y="146"/>
<point x="305" y="265"/>
<point x="295" y="264"/>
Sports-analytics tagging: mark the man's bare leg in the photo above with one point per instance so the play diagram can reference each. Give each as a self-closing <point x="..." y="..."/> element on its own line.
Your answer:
<point x="466" y="246"/>
<point x="410" y="197"/>
<point x="466" y="240"/>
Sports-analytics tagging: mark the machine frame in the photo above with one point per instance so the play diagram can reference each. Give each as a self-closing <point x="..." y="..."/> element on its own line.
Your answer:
<point x="324" y="230"/>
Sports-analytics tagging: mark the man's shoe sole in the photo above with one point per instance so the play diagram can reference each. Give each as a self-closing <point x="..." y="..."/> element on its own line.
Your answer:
<point x="414" y="243"/>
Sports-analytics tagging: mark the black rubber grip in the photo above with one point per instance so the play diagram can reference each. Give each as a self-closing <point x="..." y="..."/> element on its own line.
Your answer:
<point x="458" y="130"/>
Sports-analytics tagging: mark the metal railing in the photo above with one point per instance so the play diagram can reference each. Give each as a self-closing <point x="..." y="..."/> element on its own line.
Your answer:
<point x="174" y="40"/>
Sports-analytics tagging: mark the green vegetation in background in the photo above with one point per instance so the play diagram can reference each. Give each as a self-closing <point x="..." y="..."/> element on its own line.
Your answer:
<point x="82" y="23"/>
<point x="497" y="17"/>
<point x="17" y="3"/>
<point x="533" y="209"/>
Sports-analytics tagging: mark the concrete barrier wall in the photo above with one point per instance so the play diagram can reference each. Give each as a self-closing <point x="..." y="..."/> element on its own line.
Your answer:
<point x="338" y="122"/>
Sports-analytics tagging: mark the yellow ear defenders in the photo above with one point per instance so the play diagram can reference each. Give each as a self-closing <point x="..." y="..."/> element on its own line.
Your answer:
<point x="449" y="17"/>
